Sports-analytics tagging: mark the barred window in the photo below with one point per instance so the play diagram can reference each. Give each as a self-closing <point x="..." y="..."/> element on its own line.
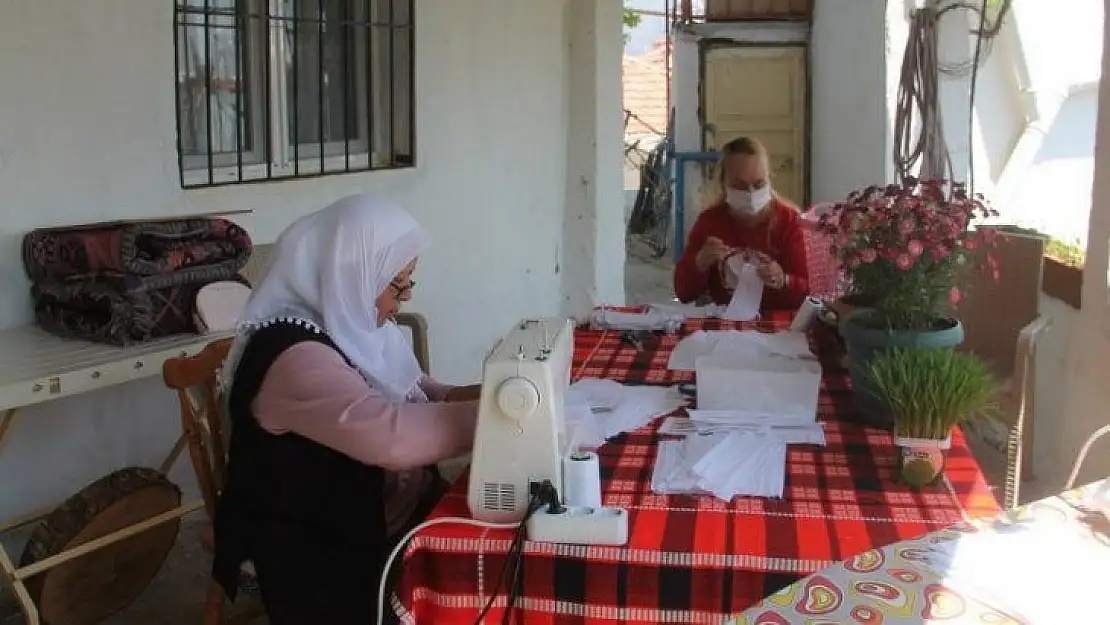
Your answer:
<point x="276" y="89"/>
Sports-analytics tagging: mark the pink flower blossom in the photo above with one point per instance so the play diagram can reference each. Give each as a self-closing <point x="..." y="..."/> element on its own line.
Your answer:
<point x="904" y="261"/>
<point x="868" y="255"/>
<point x="906" y="226"/>
<point x="954" y="295"/>
<point x="915" y="248"/>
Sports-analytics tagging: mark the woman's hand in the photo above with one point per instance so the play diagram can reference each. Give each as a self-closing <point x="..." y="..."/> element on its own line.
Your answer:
<point x="464" y="393"/>
<point x="770" y="271"/>
<point x="712" y="252"/>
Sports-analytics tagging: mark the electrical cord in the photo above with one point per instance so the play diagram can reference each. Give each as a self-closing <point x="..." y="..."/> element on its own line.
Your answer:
<point x="546" y="494"/>
<point x="1104" y="430"/>
<point x="918" y="91"/>
<point x="512" y="570"/>
<point x="408" y="536"/>
<point x="979" y="33"/>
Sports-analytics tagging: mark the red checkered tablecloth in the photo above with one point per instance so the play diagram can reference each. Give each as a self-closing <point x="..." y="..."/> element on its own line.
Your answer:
<point x="692" y="559"/>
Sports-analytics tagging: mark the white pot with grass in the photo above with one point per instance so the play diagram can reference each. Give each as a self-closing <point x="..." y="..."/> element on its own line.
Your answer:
<point x="930" y="391"/>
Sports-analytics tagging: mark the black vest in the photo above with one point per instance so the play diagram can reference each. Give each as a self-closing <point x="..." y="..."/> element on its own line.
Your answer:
<point x="310" y="518"/>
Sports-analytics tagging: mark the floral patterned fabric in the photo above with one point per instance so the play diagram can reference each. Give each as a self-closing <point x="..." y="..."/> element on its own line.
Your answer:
<point x="181" y="246"/>
<point x="904" y="584"/>
<point x="128" y="282"/>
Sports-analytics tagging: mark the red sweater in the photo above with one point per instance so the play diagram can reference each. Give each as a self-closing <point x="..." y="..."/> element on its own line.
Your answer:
<point x="783" y="243"/>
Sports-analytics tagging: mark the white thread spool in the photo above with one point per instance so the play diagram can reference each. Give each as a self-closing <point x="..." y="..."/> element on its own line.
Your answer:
<point x="582" y="479"/>
<point x="807" y="312"/>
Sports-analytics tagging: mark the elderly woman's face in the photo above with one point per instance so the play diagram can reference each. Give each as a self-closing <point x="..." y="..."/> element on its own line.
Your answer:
<point x="398" y="290"/>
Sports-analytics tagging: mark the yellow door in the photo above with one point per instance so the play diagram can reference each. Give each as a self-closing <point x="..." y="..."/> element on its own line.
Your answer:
<point x="760" y="92"/>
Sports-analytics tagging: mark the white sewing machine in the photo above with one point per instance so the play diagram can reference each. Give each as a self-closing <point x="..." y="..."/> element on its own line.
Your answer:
<point x="520" y="438"/>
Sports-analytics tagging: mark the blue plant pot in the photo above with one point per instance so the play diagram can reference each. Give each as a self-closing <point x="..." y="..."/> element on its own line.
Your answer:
<point x="863" y="342"/>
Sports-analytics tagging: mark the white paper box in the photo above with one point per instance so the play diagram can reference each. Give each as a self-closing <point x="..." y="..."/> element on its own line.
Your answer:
<point x="776" y="388"/>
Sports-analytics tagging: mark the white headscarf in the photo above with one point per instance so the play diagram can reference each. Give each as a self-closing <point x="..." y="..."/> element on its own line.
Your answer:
<point x="327" y="271"/>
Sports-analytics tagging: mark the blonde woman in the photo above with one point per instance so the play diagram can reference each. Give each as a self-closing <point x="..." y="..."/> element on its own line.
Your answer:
<point x="748" y="218"/>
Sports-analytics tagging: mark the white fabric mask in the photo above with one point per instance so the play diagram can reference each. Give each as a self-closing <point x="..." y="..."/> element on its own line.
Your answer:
<point x="328" y="269"/>
<point x="748" y="202"/>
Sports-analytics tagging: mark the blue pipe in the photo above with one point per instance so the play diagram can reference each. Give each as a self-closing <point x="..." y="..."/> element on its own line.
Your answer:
<point x="680" y="160"/>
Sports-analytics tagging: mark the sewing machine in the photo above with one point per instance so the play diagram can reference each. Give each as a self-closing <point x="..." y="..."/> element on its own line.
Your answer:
<point x="520" y="438"/>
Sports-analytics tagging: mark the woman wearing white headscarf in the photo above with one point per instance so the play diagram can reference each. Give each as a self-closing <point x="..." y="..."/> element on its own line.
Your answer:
<point x="335" y="429"/>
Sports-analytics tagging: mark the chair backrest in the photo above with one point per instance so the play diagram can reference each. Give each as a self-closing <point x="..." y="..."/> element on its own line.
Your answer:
<point x="995" y="311"/>
<point x="195" y="378"/>
<point x="258" y="263"/>
<point x="418" y="329"/>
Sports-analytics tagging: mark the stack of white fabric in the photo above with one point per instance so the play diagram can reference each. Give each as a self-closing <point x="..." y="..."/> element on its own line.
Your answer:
<point x="725" y="465"/>
<point x="600" y="409"/>
<point x="757" y="393"/>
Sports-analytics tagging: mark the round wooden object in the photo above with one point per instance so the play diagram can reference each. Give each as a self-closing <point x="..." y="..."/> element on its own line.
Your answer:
<point x="91" y="587"/>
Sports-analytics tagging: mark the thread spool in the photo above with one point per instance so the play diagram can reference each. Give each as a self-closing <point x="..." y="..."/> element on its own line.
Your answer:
<point x="806" y="314"/>
<point x="582" y="479"/>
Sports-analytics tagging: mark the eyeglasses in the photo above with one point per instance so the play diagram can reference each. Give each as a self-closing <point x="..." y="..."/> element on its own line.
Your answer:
<point x="399" y="290"/>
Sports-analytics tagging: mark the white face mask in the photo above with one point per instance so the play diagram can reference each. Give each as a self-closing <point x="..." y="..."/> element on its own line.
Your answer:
<point x="748" y="202"/>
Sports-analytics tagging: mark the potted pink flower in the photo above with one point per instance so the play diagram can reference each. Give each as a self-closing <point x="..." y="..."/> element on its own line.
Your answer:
<point x="905" y="250"/>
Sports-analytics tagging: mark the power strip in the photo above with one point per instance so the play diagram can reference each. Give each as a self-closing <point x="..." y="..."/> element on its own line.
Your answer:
<point x="579" y="525"/>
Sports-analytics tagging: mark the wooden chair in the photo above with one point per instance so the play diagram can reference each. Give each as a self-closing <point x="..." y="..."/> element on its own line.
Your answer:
<point x="259" y="262"/>
<point x="1002" y="325"/>
<point x="418" y="327"/>
<point x="195" y="379"/>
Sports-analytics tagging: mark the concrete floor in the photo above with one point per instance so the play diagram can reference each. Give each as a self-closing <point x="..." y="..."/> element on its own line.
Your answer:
<point x="176" y="595"/>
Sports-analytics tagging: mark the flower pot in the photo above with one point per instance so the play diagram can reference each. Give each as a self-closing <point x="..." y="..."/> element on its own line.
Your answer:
<point x="863" y="340"/>
<point x="845" y="306"/>
<point x="922" y="459"/>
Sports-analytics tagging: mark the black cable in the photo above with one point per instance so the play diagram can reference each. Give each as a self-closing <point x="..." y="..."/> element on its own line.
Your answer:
<point x="512" y="569"/>
<point x="516" y="580"/>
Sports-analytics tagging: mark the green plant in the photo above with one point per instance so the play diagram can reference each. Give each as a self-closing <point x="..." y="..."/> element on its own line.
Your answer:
<point x="1071" y="254"/>
<point x="929" y="390"/>
<point x="631" y="19"/>
<point x="903" y="248"/>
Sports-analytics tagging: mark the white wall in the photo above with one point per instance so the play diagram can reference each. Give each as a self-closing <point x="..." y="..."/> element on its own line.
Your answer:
<point x="848" y="64"/>
<point x="1088" y="395"/>
<point x="592" y="255"/>
<point x="1053" y="192"/>
<point x="87" y="134"/>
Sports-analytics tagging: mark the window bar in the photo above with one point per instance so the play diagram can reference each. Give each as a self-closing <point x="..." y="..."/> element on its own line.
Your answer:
<point x="371" y="144"/>
<point x="208" y="87"/>
<point x="392" y="84"/>
<point x="268" y="150"/>
<point x="177" y="39"/>
<point x="320" y="79"/>
<point x="239" y="8"/>
<point x="296" y="93"/>
<point x="348" y="45"/>
<point x="412" y="83"/>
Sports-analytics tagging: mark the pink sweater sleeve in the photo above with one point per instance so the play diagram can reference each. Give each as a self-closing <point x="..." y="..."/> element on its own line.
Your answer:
<point x="310" y="390"/>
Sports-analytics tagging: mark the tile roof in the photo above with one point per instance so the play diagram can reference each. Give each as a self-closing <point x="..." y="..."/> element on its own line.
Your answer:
<point x="645" y="90"/>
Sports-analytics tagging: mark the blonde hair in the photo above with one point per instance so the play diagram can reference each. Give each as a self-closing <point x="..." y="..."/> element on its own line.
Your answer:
<point x="744" y="146"/>
<point x="747" y="146"/>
